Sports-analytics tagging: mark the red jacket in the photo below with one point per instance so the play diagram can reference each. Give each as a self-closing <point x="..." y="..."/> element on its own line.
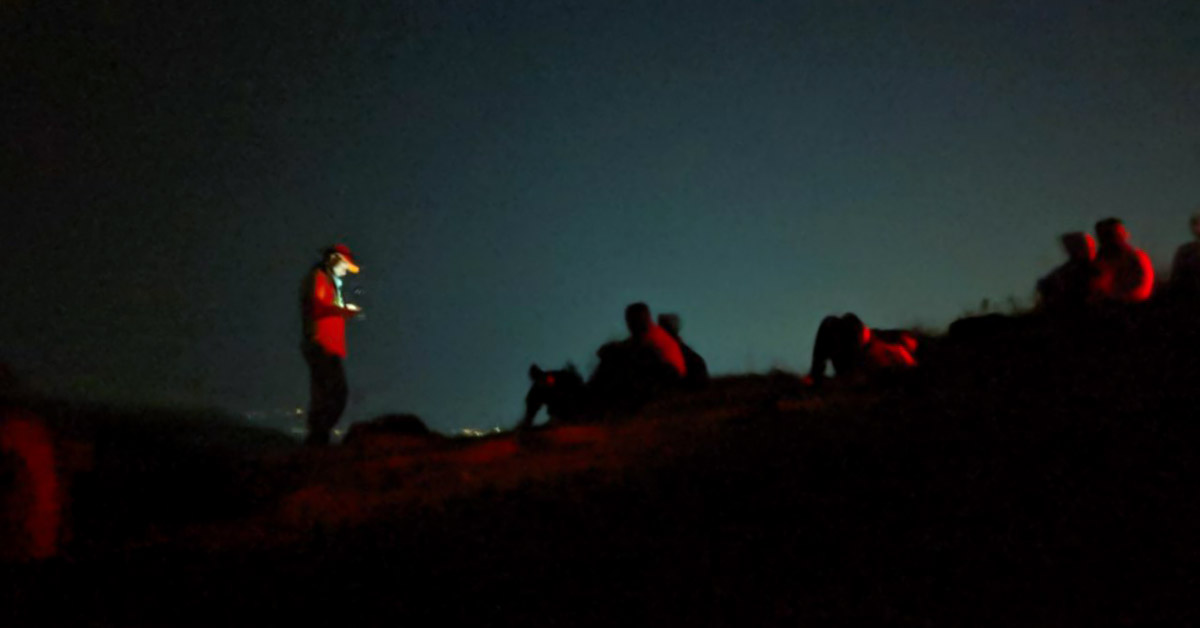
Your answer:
<point x="324" y="314"/>
<point x="882" y="354"/>
<point x="1124" y="274"/>
<point x="667" y="349"/>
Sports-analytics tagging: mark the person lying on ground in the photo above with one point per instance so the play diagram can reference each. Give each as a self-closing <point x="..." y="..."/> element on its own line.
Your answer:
<point x="855" y="350"/>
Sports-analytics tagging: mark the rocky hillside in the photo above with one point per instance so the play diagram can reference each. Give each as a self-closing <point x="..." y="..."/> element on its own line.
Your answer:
<point x="1031" y="472"/>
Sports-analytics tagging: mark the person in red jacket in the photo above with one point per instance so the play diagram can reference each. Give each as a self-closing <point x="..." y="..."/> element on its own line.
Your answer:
<point x="644" y="333"/>
<point x="1124" y="273"/>
<point x="635" y="370"/>
<point x="324" y="315"/>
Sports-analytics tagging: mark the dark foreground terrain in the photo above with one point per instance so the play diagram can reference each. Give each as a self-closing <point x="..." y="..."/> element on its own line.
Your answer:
<point x="1030" y="474"/>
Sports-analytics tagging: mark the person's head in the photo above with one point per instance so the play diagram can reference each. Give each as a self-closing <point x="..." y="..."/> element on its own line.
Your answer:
<point x="339" y="260"/>
<point x="1111" y="231"/>
<point x="856" y="329"/>
<point x="1195" y="225"/>
<point x="540" y="377"/>
<point x="1080" y="246"/>
<point x="637" y="319"/>
<point x="671" y="323"/>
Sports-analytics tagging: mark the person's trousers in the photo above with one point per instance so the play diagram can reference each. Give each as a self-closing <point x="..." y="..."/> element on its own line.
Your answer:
<point x="839" y="340"/>
<point x="327" y="394"/>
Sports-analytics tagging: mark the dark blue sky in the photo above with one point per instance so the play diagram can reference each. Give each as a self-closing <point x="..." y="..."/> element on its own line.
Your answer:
<point x="512" y="174"/>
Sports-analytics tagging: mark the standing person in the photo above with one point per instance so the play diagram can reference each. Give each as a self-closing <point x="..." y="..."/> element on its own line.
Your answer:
<point x="324" y="315"/>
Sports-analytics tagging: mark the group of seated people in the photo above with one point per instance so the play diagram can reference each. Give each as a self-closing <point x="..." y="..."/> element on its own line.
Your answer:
<point x="654" y="356"/>
<point x="631" y="372"/>
<point x="1116" y="273"/>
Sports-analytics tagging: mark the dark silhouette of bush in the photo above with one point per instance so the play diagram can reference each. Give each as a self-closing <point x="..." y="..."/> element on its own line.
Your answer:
<point x="387" y="426"/>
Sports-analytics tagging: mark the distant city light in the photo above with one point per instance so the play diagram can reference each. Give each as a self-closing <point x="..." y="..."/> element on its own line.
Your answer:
<point x="474" y="433"/>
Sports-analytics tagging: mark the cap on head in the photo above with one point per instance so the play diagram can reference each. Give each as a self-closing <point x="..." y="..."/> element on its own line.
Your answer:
<point x="343" y="252"/>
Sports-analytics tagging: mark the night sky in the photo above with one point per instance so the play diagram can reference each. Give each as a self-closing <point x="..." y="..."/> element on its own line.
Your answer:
<point x="512" y="173"/>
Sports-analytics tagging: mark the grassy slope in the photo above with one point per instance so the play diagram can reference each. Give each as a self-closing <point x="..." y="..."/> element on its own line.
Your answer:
<point x="1029" y="478"/>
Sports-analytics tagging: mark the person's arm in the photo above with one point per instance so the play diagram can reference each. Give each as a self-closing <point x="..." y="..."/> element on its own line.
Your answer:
<point x="323" y="301"/>
<point x="1100" y="287"/>
<point x="1146" y="285"/>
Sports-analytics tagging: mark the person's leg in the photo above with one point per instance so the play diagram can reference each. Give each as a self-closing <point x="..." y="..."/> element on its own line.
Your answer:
<point x="848" y="347"/>
<point x="317" y="401"/>
<point x="825" y="347"/>
<point x="534" y="400"/>
<point x="340" y="392"/>
<point x="328" y="395"/>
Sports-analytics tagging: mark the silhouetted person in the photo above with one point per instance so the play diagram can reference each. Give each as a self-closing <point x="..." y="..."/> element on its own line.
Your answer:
<point x="854" y="349"/>
<point x="643" y="332"/>
<point x="634" y="370"/>
<point x="1185" y="268"/>
<point x="1124" y="274"/>
<point x="1068" y="287"/>
<point x="697" y="368"/>
<point x="562" y="392"/>
<point x="324" y="315"/>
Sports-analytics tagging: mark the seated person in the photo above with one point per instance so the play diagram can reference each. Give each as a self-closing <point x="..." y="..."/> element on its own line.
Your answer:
<point x="854" y="349"/>
<point x="562" y="392"/>
<point x="1185" y="268"/>
<point x="644" y="333"/>
<point x="697" y="368"/>
<point x="1124" y="274"/>
<point x="631" y="371"/>
<point x="1068" y="287"/>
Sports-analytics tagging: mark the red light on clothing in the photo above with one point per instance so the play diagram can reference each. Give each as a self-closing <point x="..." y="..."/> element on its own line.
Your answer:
<point x="36" y="502"/>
